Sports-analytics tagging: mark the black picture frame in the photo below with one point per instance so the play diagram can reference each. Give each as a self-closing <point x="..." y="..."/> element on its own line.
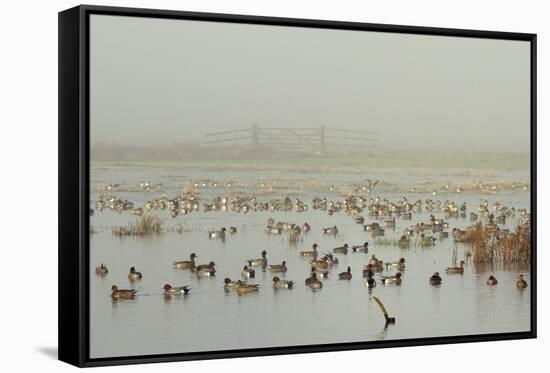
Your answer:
<point x="74" y="156"/>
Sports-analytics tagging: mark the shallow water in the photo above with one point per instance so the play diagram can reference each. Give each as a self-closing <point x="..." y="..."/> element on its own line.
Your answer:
<point x="343" y="311"/>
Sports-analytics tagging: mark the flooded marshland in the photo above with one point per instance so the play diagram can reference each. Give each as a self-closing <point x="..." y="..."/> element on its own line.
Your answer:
<point x="225" y="140"/>
<point x="249" y="202"/>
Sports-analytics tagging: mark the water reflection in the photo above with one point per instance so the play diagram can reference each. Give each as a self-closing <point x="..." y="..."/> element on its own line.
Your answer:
<point x="479" y="268"/>
<point x="383" y="333"/>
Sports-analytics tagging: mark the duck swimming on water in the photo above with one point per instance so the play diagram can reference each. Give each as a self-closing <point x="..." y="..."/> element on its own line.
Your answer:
<point x="171" y="290"/>
<point x="277" y="268"/>
<point x="459" y="269"/>
<point x="435" y="279"/>
<point x="248" y="272"/>
<point x="260" y="261"/>
<point x="201" y="266"/>
<point x="492" y="280"/>
<point x="389" y="280"/>
<point x="228" y="284"/>
<point x="370" y="282"/>
<point x="101" y="270"/>
<point x="217" y="233"/>
<point x="345" y="275"/>
<point x="282" y="284"/>
<point x="186" y="264"/>
<point x="319" y="273"/>
<point x="312" y="253"/>
<point x="364" y="248"/>
<point x="247" y="288"/>
<point x="341" y="249"/>
<point x="521" y="284"/>
<point x="325" y="262"/>
<point x="313" y="282"/>
<point x="207" y="271"/>
<point x="374" y="261"/>
<point x="400" y="264"/>
<point x="330" y="230"/>
<point x="134" y="275"/>
<point x="117" y="293"/>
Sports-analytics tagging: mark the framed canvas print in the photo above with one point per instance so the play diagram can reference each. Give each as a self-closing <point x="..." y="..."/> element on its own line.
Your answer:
<point x="235" y="186"/>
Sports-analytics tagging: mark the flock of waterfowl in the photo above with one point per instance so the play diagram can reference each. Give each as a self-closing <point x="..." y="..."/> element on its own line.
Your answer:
<point x="382" y="211"/>
<point x="320" y="269"/>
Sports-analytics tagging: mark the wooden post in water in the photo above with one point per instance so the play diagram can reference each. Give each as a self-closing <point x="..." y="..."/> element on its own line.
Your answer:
<point x="389" y="320"/>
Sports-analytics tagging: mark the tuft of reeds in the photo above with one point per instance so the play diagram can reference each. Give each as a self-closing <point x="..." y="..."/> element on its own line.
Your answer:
<point x="148" y="224"/>
<point x="490" y="246"/>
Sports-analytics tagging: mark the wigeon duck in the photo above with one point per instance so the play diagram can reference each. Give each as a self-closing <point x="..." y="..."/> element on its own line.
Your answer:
<point x="492" y="281"/>
<point x="364" y="248"/>
<point x="330" y="259"/>
<point x="217" y="233"/>
<point x="260" y="261"/>
<point x="400" y="264"/>
<point x="101" y="270"/>
<point x="435" y="279"/>
<point x="171" y="290"/>
<point x="521" y="284"/>
<point x="330" y="230"/>
<point x="312" y="253"/>
<point x="345" y="275"/>
<point x="134" y="275"/>
<point x="278" y="268"/>
<point x="282" y="284"/>
<point x="248" y="272"/>
<point x="211" y="264"/>
<point x="341" y="249"/>
<point x="319" y="273"/>
<point x="117" y="293"/>
<point x="389" y="280"/>
<point x="370" y="282"/>
<point x="374" y="261"/>
<point x="319" y="264"/>
<point x="459" y="269"/>
<point x="313" y="282"/>
<point x="207" y="271"/>
<point x="186" y="264"/>
<point x="228" y="284"/>
<point x="247" y="288"/>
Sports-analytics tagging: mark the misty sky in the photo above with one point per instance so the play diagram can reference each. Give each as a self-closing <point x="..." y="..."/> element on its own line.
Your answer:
<point x="158" y="81"/>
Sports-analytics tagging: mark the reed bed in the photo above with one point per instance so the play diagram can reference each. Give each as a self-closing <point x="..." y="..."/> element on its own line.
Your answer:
<point x="146" y="225"/>
<point x="489" y="246"/>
